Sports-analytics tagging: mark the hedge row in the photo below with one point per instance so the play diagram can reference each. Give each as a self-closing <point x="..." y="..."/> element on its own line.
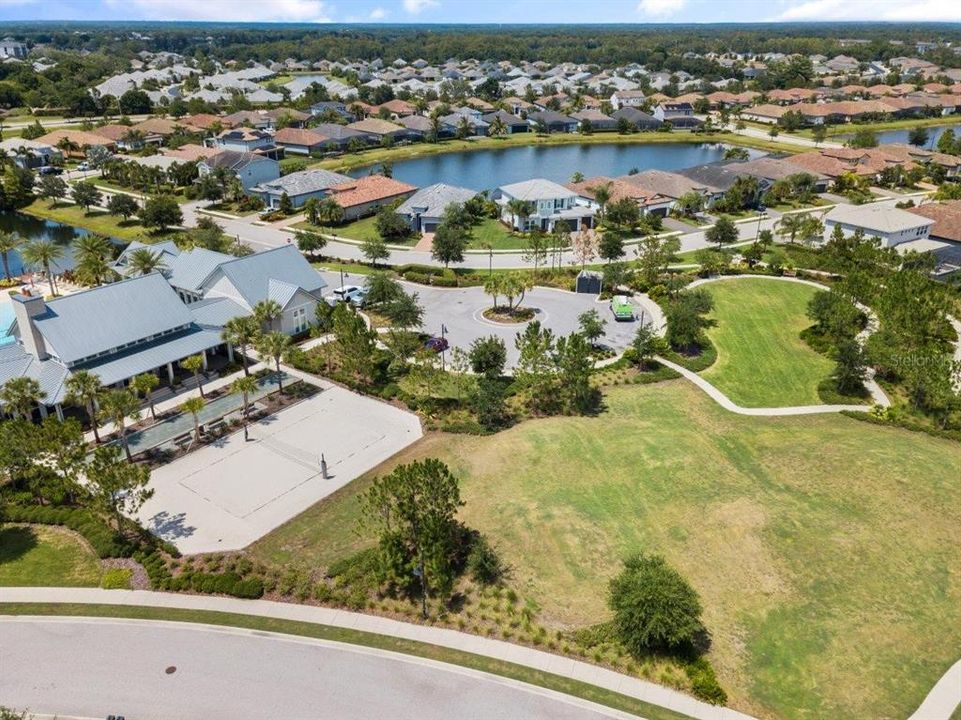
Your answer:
<point x="425" y="279"/>
<point x="103" y="539"/>
<point x="225" y="583"/>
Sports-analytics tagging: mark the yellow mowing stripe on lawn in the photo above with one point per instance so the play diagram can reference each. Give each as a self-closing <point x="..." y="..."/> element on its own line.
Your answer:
<point x="761" y="359"/>
<point x="825" y="550"/>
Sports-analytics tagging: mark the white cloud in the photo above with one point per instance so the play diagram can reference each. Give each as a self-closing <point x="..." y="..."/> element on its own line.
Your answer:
<point x="661" y="8"/>
<point x="415" y="7"/>
<point x="228" y="10"/>
<point x="378" y="13"/>
<point x="881" y="10"/>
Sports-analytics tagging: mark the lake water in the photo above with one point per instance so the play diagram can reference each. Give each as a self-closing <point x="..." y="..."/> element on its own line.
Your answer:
<point x="31" y="228"/>
<point x="901" y="136"/>
<point x="488" y="169"/>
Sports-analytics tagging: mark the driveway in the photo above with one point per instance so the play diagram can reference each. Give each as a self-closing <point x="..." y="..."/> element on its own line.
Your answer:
<point x="172" y="671"/>
<point x="460" y="310"/>
<point x="228" y="494"/>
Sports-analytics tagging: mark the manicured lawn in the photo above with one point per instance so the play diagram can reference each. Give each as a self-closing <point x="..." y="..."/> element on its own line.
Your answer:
<point x="761" y="360"/>
<point x="496" y="234"/>
<point x="487" y="231"/>
<point x="825" y="549"/>
<point x="98" y="221"/>
<point x="48" y="556"/>
<point x="557" y="683"/>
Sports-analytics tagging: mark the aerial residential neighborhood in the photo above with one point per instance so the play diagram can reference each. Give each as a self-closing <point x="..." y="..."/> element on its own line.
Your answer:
<point x="428" y="359"/>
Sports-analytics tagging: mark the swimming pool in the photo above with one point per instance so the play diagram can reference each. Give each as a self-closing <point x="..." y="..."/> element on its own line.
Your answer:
<point x="6" y="317"/>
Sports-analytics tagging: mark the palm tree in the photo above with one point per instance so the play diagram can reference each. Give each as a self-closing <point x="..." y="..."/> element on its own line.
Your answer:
<point x="83" y="388"/>
<point x="330" y="211"/>
<point x="8" y="243"/>
<point x="241" y="332"/>
<point x="144" y="261"/>
<point x="92" y="253"/>
<point x="245" y="387"/>
<point x="518" y="209"/>
<point x="20" y="395"/>
<point x="195" y="364"/>
<point x="193" y="406"/>
<point x="497" y="127"/>
<point x="67" y="146"/>
<point x="145" y="384"/>
<point x="791" y="225"/>
<point x="265" y="311"/>
<point x="118" y="406"/>
<point x="602" y="196"/>
<point x="42" y="253"/>
<point x="276" y="346"/>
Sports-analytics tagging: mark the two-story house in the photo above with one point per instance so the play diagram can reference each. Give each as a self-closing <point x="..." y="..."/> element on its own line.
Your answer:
<point x="545" y="204"/>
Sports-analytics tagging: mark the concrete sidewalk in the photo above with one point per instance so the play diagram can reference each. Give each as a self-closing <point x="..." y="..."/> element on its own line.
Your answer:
<point x="517" y="654"/>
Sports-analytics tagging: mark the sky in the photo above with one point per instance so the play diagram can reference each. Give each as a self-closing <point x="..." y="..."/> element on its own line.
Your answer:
<point x="486" y="11"/>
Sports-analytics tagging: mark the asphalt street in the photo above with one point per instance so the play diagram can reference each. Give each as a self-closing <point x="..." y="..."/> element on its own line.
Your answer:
<point x="89" y="668"/>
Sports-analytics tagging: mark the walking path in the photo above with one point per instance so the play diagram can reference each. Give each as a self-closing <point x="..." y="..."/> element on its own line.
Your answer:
<point x="877" y="394"/>
<point x="944" y="698"/>
<point x="528" y="657"/>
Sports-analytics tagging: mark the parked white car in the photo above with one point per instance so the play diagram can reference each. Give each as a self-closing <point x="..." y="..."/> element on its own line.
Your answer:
<point x="346" y="293"/>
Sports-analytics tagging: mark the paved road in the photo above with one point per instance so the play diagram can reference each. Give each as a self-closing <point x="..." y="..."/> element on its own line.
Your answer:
<point x="146" y="670"/>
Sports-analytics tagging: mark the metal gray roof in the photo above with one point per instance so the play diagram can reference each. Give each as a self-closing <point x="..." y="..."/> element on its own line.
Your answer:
<point x="154" y="355"/>
<point x="431" y="200"/>
<point x="281" y="291"/>
<point x="16" y="362"/>
<point x="251" y="275"/>
<point x="302" y="183"/>
<point x="188" y="270"/>
<point x="215" y="312"/>
<point x="109" y="316"/>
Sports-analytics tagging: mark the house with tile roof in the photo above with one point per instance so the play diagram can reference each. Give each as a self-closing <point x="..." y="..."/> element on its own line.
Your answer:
<point x="366" y="195"/>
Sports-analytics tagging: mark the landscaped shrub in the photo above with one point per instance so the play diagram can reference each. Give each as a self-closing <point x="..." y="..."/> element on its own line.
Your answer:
<point x="483" y="563"/>
<point x="102" y="538"/>
<point x="704" y="682"/>
<point x="116" y="579"/>
<point x="655" y="608"/>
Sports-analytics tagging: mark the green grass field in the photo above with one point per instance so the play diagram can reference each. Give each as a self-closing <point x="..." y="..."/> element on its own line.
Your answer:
<point x="98" y="221"/>
<point x="48" y="556"/>
<point x="761" y="360"/>
<point x="829" y="574"/>
<point x="488" y="231"/>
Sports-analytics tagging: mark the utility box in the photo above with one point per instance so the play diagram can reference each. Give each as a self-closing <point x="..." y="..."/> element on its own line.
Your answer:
<point x="588" y="281"/>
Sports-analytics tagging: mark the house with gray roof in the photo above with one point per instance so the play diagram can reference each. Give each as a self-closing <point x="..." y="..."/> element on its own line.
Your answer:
<point x="547" y="203"/>
<point x="116" y="331"/>
<point x="298" y="186"/>
<point x="891" y="225"/>
<point x="250" y="168"/>
<point x="149" y="323"/>
<point x="423" y="209"/>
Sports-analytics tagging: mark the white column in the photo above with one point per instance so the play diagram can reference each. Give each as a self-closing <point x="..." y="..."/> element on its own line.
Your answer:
<point x="230" y="352"/>
<point x="43" y="411"/>
<point x="170" y="372"/>
<point x="203" y="354"/>
<point x="59" y="409"/>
